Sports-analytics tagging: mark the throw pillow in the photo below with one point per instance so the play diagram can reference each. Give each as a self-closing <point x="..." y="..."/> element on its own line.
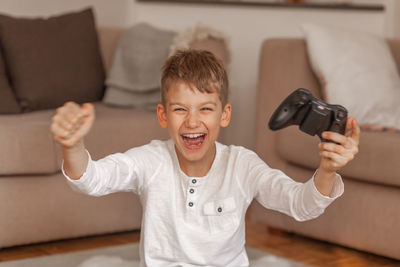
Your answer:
<point x="53" y="60"/>
<point x="134" y="79"/>
<point x="356" y="70"/>
<point x="8" y="103"/>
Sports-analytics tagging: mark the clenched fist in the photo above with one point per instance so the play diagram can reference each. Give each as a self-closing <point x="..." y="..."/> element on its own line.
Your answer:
<point x="71" y="123"/>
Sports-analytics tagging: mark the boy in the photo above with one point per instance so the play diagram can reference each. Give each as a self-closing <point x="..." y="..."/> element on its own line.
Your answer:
<point x="194" y="190"/>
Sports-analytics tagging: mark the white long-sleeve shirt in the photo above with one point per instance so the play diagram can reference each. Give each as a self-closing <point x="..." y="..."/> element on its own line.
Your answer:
<point x="199" y="221"/>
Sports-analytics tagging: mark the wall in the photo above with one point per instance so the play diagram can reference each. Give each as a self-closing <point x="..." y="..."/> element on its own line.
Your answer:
<point x="246" y="27"/>
<point x="116" y="12"/>
<point x="392" y="18"/>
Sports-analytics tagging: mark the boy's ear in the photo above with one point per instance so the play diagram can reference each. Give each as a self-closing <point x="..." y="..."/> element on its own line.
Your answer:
<point x="162" y="116"/>
<point x="226" y="115"/>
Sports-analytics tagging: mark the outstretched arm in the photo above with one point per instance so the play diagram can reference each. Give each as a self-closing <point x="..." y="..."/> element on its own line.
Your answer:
<point x="336" y="156"/>
<point x="69" y="126"/>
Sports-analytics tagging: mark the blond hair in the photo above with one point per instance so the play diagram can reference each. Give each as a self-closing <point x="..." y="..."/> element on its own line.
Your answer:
<point x="199" y="69"/>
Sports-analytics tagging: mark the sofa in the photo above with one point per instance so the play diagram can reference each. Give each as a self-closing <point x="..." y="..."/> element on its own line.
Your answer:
<point x="367" y="216"/>
<point x="36" y="203"/>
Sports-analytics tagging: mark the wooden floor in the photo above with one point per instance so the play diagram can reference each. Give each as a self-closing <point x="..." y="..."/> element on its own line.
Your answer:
<point x="297" y="248"/>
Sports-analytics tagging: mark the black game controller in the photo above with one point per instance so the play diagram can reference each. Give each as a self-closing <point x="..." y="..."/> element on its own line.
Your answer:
<point x="311" y="114"/>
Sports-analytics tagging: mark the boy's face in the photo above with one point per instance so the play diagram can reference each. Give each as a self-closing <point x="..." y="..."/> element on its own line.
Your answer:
<point x="193" y="120"/>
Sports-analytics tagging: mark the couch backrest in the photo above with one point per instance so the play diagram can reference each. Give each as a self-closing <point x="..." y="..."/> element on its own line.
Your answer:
<point x="108" y="38"/>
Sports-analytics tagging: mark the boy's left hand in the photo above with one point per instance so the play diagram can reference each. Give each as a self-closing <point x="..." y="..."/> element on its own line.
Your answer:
<point x="335" y="156"/>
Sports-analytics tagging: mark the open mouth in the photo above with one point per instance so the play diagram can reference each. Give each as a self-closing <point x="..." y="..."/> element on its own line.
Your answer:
<point x="193" y="141"/>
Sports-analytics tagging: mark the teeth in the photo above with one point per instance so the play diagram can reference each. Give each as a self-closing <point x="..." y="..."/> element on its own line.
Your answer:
<point x="193" y="135"/>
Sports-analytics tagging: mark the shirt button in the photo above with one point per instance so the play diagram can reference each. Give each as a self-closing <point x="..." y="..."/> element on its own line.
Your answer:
<point x="194" y="181"/>
<point x="191" y="204"/>
<point x="191" y="191"/>
<point x="219" y="209"/>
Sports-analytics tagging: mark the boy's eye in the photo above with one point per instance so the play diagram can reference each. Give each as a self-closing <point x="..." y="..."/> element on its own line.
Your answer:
<point x="179" y="109"/>
<point x="207" y="109"/>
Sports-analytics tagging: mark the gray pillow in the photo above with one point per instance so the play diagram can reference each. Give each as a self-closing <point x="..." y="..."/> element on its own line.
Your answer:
<point x="134" y="79"/>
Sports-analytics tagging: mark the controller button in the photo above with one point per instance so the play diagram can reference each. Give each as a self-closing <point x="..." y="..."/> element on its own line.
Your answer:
<point x="341" y="115"/>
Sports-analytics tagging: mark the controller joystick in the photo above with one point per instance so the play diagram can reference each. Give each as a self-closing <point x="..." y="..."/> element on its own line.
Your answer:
<point x="312" y="115"/>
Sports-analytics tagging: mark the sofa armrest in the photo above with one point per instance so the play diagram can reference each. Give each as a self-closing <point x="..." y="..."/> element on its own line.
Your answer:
<point x="283" y="67"/>
<point x="395" y="49"/>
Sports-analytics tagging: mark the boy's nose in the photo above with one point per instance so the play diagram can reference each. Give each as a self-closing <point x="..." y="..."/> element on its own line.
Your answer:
<point x="193" y="121"/>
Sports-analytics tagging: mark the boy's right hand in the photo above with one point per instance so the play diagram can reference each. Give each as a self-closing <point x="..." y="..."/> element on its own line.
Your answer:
<point x="71" y="123"/>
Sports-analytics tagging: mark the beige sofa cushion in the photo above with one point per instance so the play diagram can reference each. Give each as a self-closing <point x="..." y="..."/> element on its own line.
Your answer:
<point x="26" y="144"/>
<point x="28" y="147"/>
<point x="375" y="147"/>
<point x="118" y="129"/>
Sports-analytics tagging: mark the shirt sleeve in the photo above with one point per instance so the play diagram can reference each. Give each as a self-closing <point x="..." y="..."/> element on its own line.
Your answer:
<point x="114" y="173"/>
<point x="275" y="190"/>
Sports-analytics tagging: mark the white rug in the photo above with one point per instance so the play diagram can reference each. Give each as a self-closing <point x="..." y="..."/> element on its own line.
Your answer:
<point x="128" y="256"/>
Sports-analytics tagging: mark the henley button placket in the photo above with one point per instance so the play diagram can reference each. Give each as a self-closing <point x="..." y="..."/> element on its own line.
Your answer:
<point x="191" y="196"/>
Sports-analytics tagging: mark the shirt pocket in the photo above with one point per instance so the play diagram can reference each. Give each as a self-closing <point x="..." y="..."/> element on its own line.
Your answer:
<point x="221" y="215"/>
